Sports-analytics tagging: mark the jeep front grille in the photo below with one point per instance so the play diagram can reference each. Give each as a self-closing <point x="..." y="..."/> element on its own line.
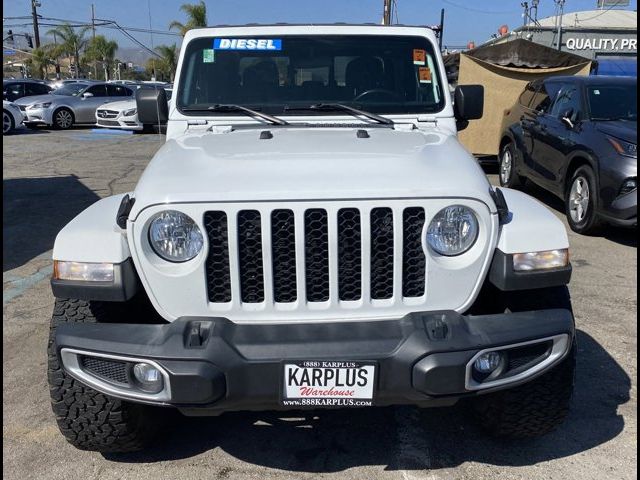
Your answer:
<point x="315" y="255"/>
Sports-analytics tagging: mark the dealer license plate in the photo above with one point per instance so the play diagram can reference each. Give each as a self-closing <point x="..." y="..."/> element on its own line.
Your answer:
<point x="328" y="383"/>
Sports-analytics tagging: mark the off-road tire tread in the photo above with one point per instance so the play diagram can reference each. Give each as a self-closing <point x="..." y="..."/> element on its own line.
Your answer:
<point x="88" y="419"/>
<point x="533" y="409"/>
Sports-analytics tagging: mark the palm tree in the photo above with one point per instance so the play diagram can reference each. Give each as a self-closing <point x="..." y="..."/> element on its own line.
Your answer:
<point x="196" y="17"/>
<point x="72" y="42"/>
<point x="102" y="50"/>
<point x="41" y="58"/>
<point x="169" y="59"/>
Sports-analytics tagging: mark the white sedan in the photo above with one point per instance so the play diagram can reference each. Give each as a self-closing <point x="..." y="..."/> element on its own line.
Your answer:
<point x="11" y="117"/>
<point x="123" y="115"/>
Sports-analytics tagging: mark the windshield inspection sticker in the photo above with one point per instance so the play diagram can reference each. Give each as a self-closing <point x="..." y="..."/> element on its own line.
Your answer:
<point x="247" y="44"/>
<point x="208" y="55"/>
<point x="419" y="57"/>
<point x="424" y="75"/>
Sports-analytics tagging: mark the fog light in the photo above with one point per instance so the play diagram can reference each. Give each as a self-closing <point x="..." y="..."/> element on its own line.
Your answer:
<point x="487" y="362"/>
<point x="148" y="376"/>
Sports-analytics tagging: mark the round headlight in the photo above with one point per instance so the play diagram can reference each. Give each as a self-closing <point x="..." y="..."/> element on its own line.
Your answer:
<point x="453" y="230"/>
<point x="175" y="237"/>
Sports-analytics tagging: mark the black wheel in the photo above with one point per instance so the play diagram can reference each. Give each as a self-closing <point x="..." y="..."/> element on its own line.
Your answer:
<point x="88" y="419"/>
<point x="7" y="122"/>
<point x="148" y="128"/>
<point x="63" y="119"/>
<point x="581" y="198"/>
<point x="538" y="407"/>
<point x="507" y="167"/>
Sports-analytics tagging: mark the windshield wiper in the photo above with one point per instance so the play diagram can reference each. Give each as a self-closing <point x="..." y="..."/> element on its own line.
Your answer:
<point x="230" y="107"/>
<point x="346" y="108"/>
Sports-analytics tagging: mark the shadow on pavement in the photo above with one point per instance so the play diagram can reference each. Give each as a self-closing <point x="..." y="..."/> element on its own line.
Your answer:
<point x="34" y="210"/>
<point x="401" y="438"/>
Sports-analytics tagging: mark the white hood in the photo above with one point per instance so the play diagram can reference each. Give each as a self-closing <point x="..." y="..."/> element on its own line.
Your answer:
<point x="310" y="164"/>
<point x="120" y="105"/>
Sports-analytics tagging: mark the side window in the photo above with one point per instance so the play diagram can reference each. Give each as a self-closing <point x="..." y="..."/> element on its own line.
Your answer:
<point x="568" y="99"/>
<point x="118" y="91"/>
<point x="33" y="89"/>
<point x="43" y="89"/>
<point x="14" y="91"/>
<point x="544" y="97"/>
<point x="98" y="90"/>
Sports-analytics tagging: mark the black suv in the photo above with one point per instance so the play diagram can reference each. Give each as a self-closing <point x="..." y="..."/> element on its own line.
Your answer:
<point x="15" y="89"/>
<point x="577" y="137"/>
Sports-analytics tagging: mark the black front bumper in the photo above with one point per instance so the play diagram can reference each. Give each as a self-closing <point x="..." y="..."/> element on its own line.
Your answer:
<point x="216" y="365"/>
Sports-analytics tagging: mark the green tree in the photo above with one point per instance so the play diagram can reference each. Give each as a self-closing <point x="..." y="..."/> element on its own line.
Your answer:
<point x="196" y="17"/>
<point x="102" y="50"/>
<point x="40" y="60"/>
<point x="73" y="41"/>
<point x="169" y="59"/>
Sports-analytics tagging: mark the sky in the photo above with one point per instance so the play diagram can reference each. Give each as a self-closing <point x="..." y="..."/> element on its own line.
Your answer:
<point x="465" y="21"/>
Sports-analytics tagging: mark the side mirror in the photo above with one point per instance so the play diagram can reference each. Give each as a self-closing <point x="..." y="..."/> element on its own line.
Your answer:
<point x="152" y="105"/>
<point x="468" y="104"/>
<point x="568" y="118"/>
<point x="87" y="95"/>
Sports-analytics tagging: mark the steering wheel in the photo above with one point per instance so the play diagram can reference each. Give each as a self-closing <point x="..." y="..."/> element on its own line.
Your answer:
<point x="373" y="91"/>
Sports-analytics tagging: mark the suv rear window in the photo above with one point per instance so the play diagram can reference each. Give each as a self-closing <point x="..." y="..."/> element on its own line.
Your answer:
<point x="379" y="73"/>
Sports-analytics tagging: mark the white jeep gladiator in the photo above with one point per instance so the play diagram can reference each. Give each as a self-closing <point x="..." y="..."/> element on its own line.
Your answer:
<point x="312" y="235"/>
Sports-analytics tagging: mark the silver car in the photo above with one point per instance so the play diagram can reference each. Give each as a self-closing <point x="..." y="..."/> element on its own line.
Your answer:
<point x="71" y="104"/>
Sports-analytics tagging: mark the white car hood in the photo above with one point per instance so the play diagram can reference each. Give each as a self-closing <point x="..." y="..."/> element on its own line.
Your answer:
<point x="120" y="105"/>
<point x="309" y="164"/>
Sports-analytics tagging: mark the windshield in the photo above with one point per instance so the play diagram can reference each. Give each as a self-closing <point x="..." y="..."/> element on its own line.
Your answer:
<point x="613" y="102"/>
<point x="70" y="89"/>
<point x="382" y="74"/>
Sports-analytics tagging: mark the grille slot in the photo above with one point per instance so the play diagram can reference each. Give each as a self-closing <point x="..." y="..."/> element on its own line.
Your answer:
<point x="283" y="242"/>
<point x="381" y="253"/>
<point x="349" y="254"/>
<point x="250" y="256"/>
<point x="111" y="370"/>
<point x="316" y="247"/>
<point x="217" y="269"/>
<point x="413" y="258"/>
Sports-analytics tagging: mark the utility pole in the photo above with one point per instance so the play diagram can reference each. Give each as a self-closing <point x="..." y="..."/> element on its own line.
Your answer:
<point x="93" y="28"/>
<point x="441" y="35"/>
<point x="386" y="15"/>
<point x="34" y="14"/>
<point x="560" y="4"/>
<point x="525" y="16"/>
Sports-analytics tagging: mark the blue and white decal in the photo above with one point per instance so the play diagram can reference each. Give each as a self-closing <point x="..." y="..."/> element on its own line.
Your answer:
<point x="247" y="44"/>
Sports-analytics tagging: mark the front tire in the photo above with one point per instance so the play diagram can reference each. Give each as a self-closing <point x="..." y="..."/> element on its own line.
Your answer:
<point x="88" y="419"/>
<point x="63" y="119"/>
<point x="7" y="123"/>
<point x="581" y="199"/>
<point x="541" y="405"/>
<point x="509" y="177"/>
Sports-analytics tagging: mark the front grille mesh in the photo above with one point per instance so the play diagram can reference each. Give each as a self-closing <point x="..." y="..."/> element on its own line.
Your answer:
<point x="250" y="256"/>
<point x="349" y="254"/>
<point x="317" y="254"/>
<point x="111" y="370"/>
<point x="360" y="247"/>
<point x="413" y="258"/>
<point x="218" y="271"/>
<point x="283" y="241"/>
<point x="381" y="253"/>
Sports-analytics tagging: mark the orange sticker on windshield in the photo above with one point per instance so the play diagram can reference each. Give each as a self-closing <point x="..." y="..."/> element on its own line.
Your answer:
<point x="419" y="57"/>
<point x="424" y="75"/>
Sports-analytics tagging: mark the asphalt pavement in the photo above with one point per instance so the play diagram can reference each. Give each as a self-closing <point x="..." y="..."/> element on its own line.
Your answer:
<point x="50" y="176"/>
